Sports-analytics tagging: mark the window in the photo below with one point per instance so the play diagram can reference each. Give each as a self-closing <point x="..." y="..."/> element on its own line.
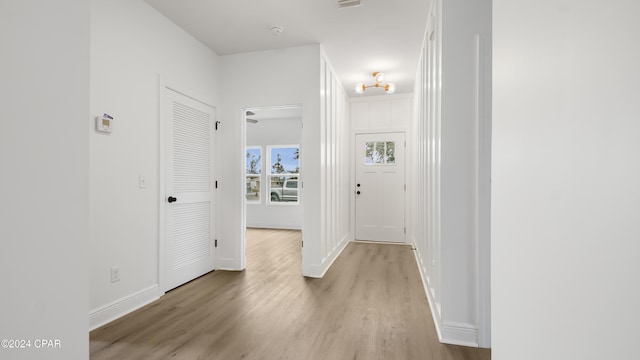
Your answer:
<point x="283" y="173"/>
<point x="253" y="171"/>
<point x="380" y="153"/>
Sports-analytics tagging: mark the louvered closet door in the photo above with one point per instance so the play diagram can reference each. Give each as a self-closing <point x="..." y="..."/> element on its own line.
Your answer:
<point x="189" y="199"/>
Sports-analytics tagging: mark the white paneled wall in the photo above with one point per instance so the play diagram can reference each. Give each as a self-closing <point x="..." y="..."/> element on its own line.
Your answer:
<point x="449" y="184"/>
<point x="334" y="173"/>
<point x="380" y="113"/>
<point x="425" y="184"/>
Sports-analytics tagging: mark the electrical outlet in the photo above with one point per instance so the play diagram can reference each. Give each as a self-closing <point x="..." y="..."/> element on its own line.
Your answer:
<point x="115" y="274"/>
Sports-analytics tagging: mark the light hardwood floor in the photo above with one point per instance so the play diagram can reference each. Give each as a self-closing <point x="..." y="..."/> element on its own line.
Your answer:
<point x="370" y="305"/>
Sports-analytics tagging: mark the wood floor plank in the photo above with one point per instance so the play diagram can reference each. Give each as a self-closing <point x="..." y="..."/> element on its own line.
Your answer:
<point x="370" y="305"/>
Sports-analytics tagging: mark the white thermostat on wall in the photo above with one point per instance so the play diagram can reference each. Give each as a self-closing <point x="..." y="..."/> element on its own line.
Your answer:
<point x="104" y="123"/>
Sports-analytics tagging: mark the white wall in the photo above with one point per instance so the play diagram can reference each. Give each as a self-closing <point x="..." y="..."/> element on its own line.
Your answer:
<point x="293" y="78"/>
<point x="278" y="215"/>
<point x="380" y="113"/>
<point x="132" y="46"/>
<point x="450" y="212"/>
<point x="566" y="169"/>
<point x="44" y="112"/>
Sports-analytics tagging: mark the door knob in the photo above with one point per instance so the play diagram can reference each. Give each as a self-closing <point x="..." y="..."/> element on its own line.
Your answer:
<point x="358" y="192"/>
<point x="358" y="185"/>
<point x="171" y="199"/>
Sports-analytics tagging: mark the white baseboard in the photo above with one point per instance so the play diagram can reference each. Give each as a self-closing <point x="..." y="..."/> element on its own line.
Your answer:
<point x="228" y="264"/>
<point x="448" y="332"/>
<point x="109" y="312"/>
<point x="319" y="270"/>
<point x="435" y="311"/>
<point x="277" y="227"/>
<point x="315" y="271"/>
<point x="459" y="334"/>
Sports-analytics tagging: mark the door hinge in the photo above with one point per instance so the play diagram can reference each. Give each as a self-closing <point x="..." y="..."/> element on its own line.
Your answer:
<point x="215" y="243"/>
<point x="302" y="243"/>
<point x="216" y="184"/>
<point x="217" y="124"/>
<point x="405" y="231"/>
<point x="405" y="187"/>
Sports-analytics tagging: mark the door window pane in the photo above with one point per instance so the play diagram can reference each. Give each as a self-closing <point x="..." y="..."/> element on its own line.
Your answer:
<point x="390" y="149"/>
<point x="368" y="153"/>
<point x="379" y="153"/>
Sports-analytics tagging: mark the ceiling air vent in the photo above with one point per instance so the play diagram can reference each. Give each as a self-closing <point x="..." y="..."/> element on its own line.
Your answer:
<point x="348" y="3"/>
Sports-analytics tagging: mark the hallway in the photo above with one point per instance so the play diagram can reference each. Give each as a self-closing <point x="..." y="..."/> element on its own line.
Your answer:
<point x="370" y="305"/>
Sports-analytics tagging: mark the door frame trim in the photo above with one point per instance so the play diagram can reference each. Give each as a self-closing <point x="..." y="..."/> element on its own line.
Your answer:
<point x="354" y="134"/>
<point x="164" y="85"/>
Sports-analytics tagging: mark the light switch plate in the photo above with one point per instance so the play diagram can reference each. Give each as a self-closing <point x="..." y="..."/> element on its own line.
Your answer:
<point x="142" y="182"/>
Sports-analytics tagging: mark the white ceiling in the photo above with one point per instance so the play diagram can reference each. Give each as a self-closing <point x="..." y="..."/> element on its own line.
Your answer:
<point x="380" y="35"/>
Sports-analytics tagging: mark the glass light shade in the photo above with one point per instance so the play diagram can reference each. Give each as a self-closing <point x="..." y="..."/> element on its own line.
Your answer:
<point x="360" y="88"/>
<point x="390" y="88"/>
<point x="379" y="77"/>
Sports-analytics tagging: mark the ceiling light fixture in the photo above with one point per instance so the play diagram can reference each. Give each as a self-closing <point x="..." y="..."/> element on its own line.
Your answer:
<point x="389" y="88"/>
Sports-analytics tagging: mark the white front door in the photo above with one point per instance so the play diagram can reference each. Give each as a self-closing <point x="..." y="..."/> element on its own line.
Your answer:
<point x="380" y="187"/>
<point x="189" y="223"/>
